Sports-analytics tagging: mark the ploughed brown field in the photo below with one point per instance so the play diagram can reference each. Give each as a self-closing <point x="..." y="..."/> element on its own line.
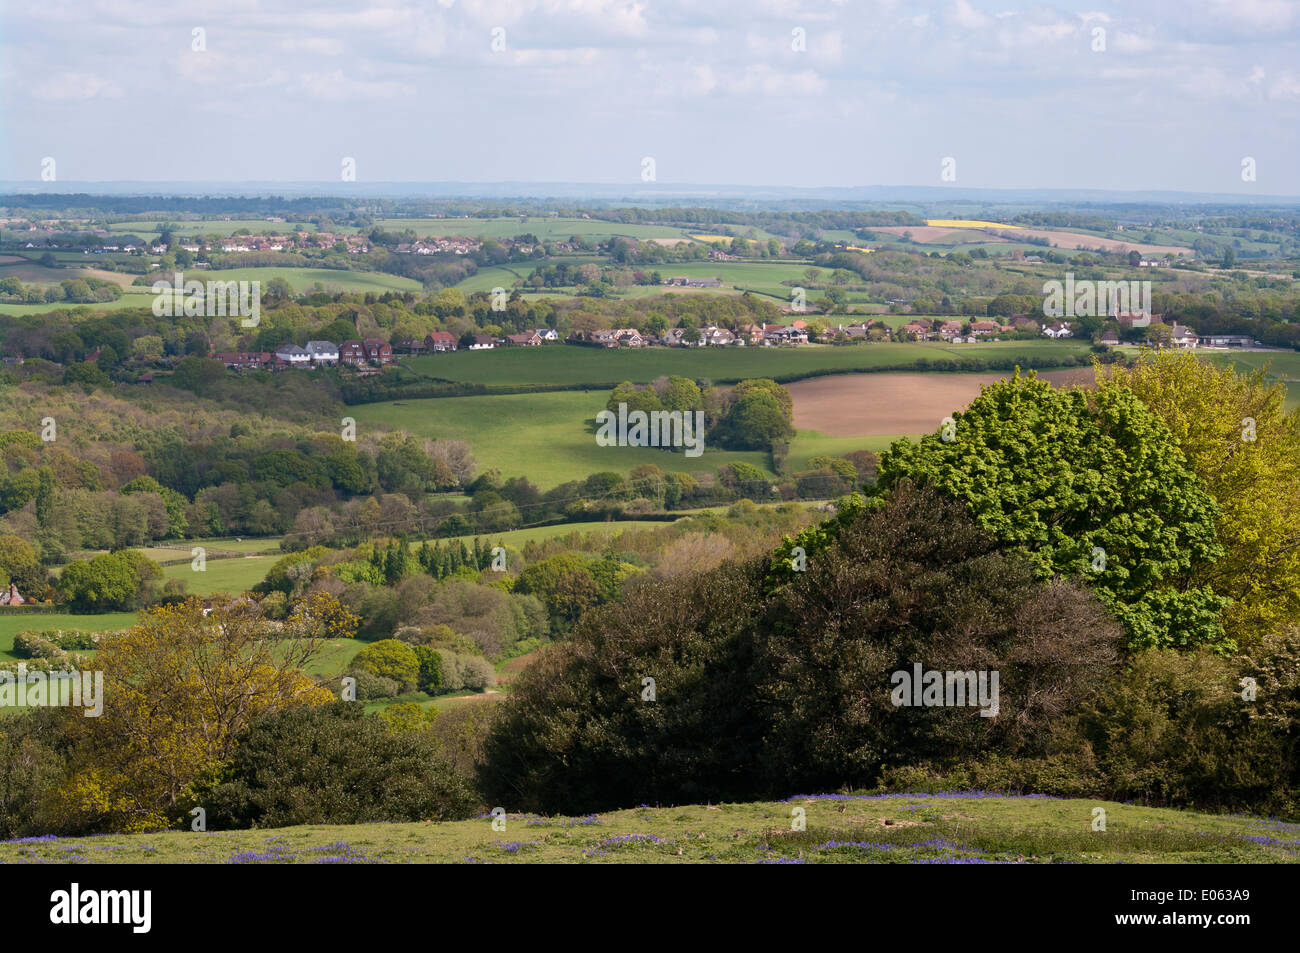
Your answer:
<point x="868" y="405"/>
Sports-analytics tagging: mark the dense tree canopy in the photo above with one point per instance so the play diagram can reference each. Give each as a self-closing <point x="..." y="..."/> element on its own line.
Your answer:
<point x="1240" y="440"/>
<point x="1085" y="483"/>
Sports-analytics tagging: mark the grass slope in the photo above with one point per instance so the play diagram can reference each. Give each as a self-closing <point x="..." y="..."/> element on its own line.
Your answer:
<point x="971" y="827"/>
<point x="549" y="438"/>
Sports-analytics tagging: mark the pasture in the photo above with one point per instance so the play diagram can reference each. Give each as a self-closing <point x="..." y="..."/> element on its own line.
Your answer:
<point x="516" y="538"/>
<point x="11" y="623"/>
<point x="234" y="576"/>
<point x="304" y="279"/>
<point x="549" y="438"/>
<point x="965" y="827"/>
<point x="222" y="227"/>
<point x="545" y="228"/>
<point x="579" y="366"/>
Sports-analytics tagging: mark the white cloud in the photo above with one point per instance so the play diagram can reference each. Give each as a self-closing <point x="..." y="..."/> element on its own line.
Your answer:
<point x="965" y="15"/>
<point x="67" y="87"/>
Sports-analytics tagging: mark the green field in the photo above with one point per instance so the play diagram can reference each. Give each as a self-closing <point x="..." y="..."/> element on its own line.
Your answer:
<point x="545" y="228"/>
<point x="840" y="830"/>
<point x="517" y="537"/>
<point x="303" y="279"/>
<point x="234" y="576"/>
<point x="11" y="623"/>
<point x="549" y="438"/>
<point x="334" y="657"/>
<point x="499" y="276"/>
<point x="569" y="364"/>
<point x="809" y="443"/>
<point x="213" y="227"/>
<point x="248" y="545"/>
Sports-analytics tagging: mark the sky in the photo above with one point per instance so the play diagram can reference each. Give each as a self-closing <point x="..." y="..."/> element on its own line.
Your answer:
<point x="1121" y="95"/>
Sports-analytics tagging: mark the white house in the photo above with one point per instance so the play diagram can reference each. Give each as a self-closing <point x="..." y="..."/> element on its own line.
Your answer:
<point x="293" y="355"/>
<point x="547" y="334"/>
<point x="322" y="352"/>
<point x="1184" y="336"/>
<point x="1057" y="329"/>
<point x="482" y="342"/>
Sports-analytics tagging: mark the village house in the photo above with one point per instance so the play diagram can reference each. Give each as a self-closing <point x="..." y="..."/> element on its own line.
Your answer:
<point x="628" y="337"/>
<point x="482" y="342"/>
<point x="409" y="346"/>
<point x="352" y="353"/>
<point x="245" y="360"/>
<point x="322" y="352"/>
<point x="1109" y="337"/>
<point x="378" y="351"/>
<point x="1057" y="329"/>
<point x="292" y="355"/>
<point x="438" y="341"/>
<point x="984" y="328"/>
<point x="11" y="597"/>
<point x="781" y="334"/>
<point x="917" y="331"/>
<point x="526" y="339"/>
<point x="547" y="334"/>
<point x="950" y="330"/>
<point x="1183" y="336"/>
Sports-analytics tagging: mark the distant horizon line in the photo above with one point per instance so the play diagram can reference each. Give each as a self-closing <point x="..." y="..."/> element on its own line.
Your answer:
<point x="604" y="191"/>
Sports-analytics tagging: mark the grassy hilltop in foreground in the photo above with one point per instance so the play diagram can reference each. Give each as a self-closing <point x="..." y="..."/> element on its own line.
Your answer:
<point x="965" y="828"/>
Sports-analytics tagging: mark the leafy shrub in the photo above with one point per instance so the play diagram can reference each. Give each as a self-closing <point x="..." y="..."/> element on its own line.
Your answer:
<point x="390" y="659"/>
<point x="1177" y="731"/>
<point x="370" y="686"/>
<point x="430" y="677"/>
<point x="48" y="642"/>
<point x="333" y="764"/>
<point x="465" y="672"/>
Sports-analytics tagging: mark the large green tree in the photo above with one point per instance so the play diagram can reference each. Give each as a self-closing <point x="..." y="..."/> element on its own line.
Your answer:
<point x="1087" y="483"/>
<point x="1239" y="438"/>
